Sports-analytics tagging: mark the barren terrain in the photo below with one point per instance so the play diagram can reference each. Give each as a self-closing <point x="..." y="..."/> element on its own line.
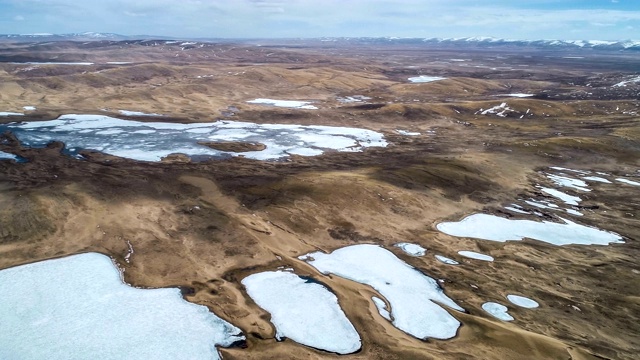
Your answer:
<point x="205" y="225"/>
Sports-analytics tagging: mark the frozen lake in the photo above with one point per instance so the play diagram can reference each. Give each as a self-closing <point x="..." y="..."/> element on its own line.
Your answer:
<point x="77" y="307"/>
<point x="304" y="311"/>
<point x="152" y="141"/>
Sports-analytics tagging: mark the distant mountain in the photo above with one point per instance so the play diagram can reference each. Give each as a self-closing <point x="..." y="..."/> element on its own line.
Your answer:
<point x="67" y="37"/>
<point x="489" y="42"/>
<point x="478" y="42"/>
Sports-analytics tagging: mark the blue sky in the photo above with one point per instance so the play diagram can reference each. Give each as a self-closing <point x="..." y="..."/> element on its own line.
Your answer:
<point x="514" y="19"/>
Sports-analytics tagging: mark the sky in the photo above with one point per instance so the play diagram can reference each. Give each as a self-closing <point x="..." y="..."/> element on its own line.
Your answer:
<point x="510" y="19"/>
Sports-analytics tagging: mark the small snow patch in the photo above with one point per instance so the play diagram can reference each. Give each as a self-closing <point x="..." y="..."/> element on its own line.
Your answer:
<point x="475" y="255"/>
<point x="522" y="301"/>
<point x="425" y="79"/>
<point x="498" y="311"/>
<point x="412" y="249"/>
<point x="285" y="103"/>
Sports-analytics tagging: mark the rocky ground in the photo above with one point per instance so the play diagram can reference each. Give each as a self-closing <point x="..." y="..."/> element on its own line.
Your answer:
<point x="204" y="226"/>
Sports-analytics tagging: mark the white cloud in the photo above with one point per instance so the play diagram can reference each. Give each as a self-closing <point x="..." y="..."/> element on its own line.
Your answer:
<point x="18" y="18"/>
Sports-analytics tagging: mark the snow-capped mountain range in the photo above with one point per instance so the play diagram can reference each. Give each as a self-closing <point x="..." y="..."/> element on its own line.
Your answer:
<point x="484" y="42"/>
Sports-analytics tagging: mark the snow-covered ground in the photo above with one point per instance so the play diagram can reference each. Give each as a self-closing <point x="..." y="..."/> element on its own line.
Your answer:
<point x="353" y="99"/>
<point x="501" y="110"/>
<point x="407" y="133"/>
<point x="78" y="308"/>
<point x="137" y="113"/>
<point x="412" y="249"/>
<point x="446" y="260"/>
<point x="628" y="182"/>
<point x="569" y="182"/>
<point x="9" y="113"/>
<point x="566" y="198"/>
<point x="8" y="156"/>
<point x="475" y="255"/>
<point x="152" y="141"/>
<point x="522" y="301"/>
<point x="29" y="108"/>
<point x="425" y="79"/>
<point x="495" y="228"/>
<point x="410" y="293"/>
<point x="498" y="311"/>
<point x="382" y="307"/>
<point x="285" y="103"/>
<point x="632" y="80"/>
<point x="52" y="63"/>
<point x="304" y="311"/>
<point x="517" y="95"/>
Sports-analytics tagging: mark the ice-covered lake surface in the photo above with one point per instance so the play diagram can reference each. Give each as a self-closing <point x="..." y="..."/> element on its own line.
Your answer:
<point x="498" y="311"/>
<point x="294" y="104"/>
<point x="304" y="311"/>
<point x="425" y="79"/>
<point x="495" y="228"/>
<point x="410" y="293"/>
<point x="77" y="307"/>
<point x="412" y="249"/>
<point x="522" y="301"/>
<point x="152" y="141"/>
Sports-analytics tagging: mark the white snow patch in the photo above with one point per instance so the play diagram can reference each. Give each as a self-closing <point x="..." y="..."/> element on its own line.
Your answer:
<point x="597" y="179"/>
<point x="522" y="301"/>
<point x="7" y="113"/>
<point x="407" y="133"/>
<point x="627" y="181"/>
<point x="29" y="108"/>
<point x="518" y="95"/>
<point x="353" y="99"/>
<point x="137" y="113"/>
<point x="425" y="79"/>
<point x="498" y="311"/>
<point x="583" y="172"/>
<point x="568" y="199"/>
<point x="542" y="205"/>
<point x="501" y="110"/>
<point x="410" y="293"/>
<point x="8" y="156"/>
<point x="515" y="210"/>
<point x="52" y="63"/>
<point x="475" y="255"/>
<point x="412" y="249"/>
<point x="285" y="103"/>
<point x="382" y="307"/>
<point x="574" y="212"/>
<point x="568" y="182"/>
<point x="630" y="81"/>
<point x="446" y="260"/>
<point x="304" y="311"/>
<point x="494" y="228"/>
<point x="78" y="308"/>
